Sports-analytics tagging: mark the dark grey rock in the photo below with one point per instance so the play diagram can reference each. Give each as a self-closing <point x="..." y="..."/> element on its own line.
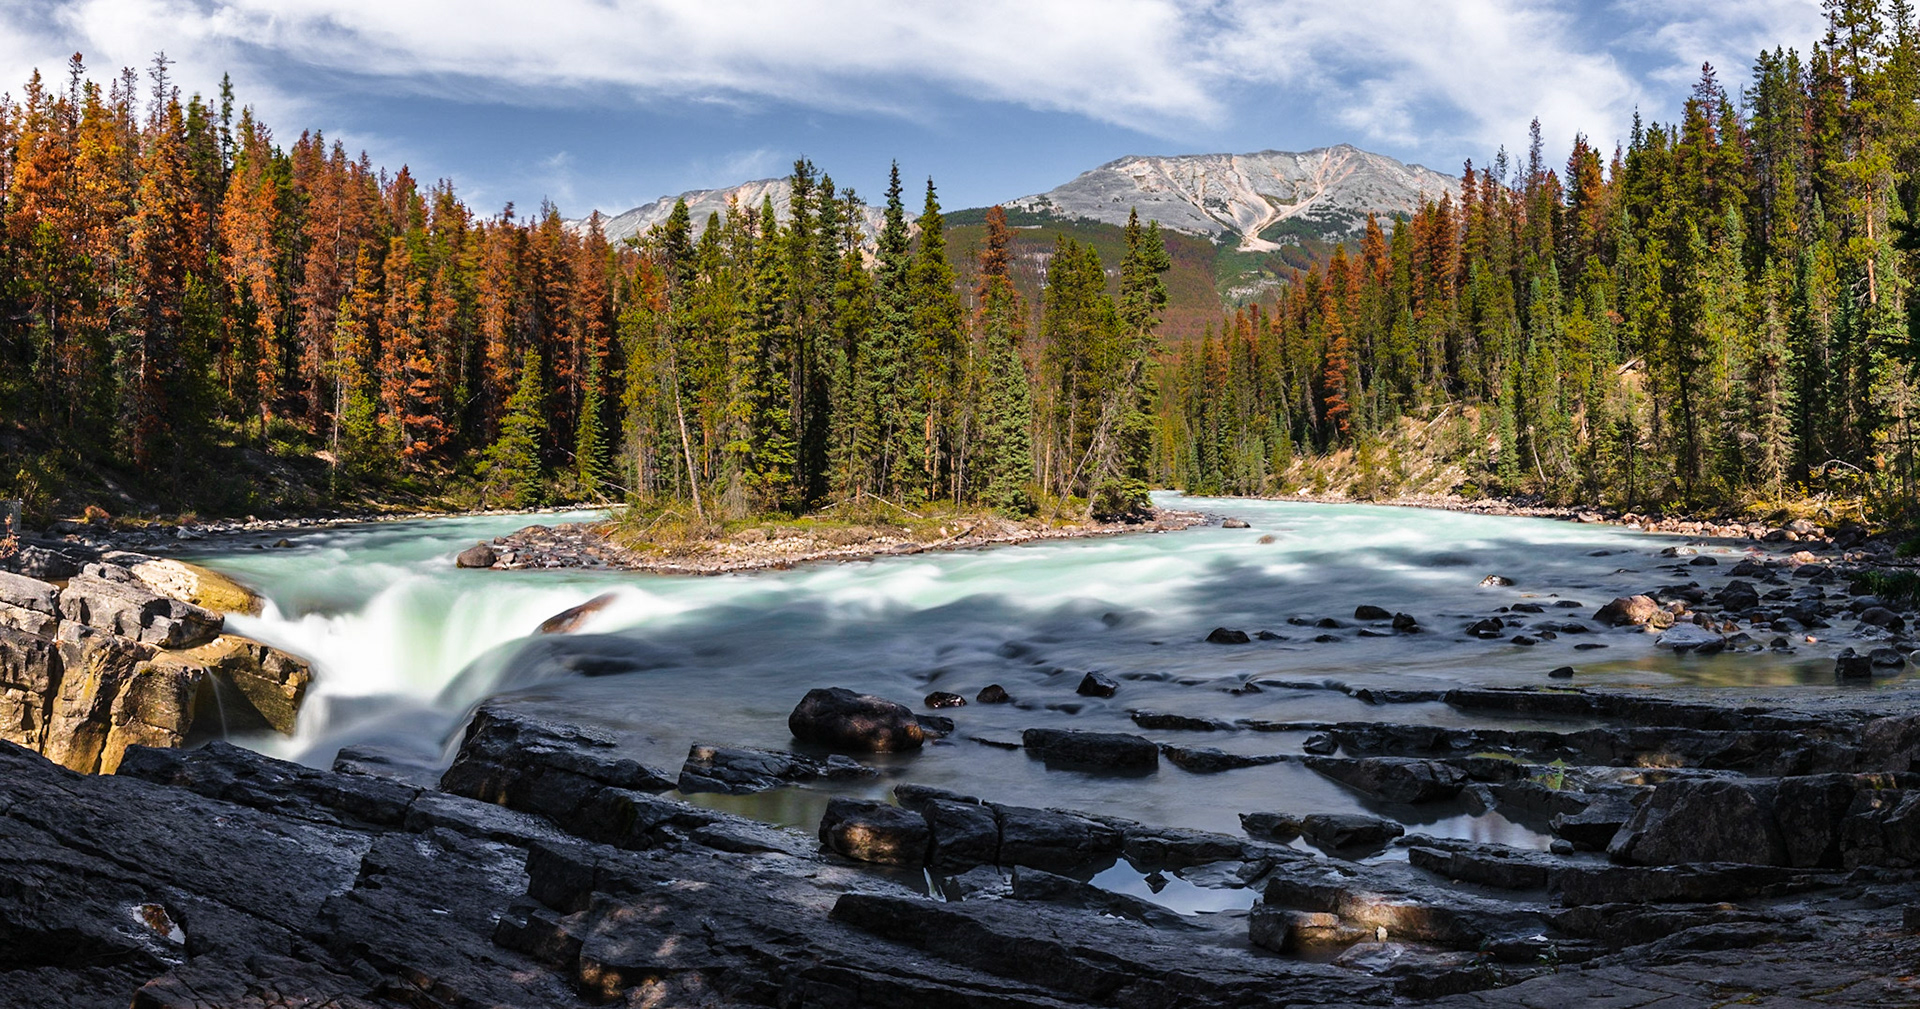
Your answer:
<point x="1105" y="751"/>
<point x="840" y="719"/>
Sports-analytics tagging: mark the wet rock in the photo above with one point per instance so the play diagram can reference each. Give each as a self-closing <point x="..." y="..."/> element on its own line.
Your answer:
<point x="1850" y="665"/>
<point x="738" y="770"/>
<point x="1486" y="629"/>
<point x="1370" y="612"/>
<point x="963" y="834"/>
<point x="526" y="763"/>
<point x="1349" y="830"/>
<point x="1561" y="673"/>
<point x="1593" y="827"/>
<point x="1702" y="821"/>
<point x="569" y="620"/>
<point x="1209" y="760"/>
<point x="1683" y="638"/>
<point x="1105" y="751"/>
<point x="480" y="555"/>
<point x="1525" y="641"/>
<point x="1393" y="779"/>
<point x="838" y="718"/>
<point x="1233" y="524"/>
<point x="1161" y="721"/>
<point x="1409" y="909"/>
<point x="1040" y="885"/>
<point x="993" y="693"/>
<point x="1886" y="658"/>
<point x="1097" y="685"/>
<point x="1627" y="611"/>
<point x="1287" y="931"/>
<point x="875" y="832"/>
<point x="944" y="699"/>
<point x="1279" y="826"/>
<point x="1880" y="616"/>
<point x="257" y="686"/>
<point x="1405" y="623"/>
<point x="1496" y="865"/>
<point x="1054" y="840"/>
<point x="1227" y="636"/>
<point x="1319" y="744"/>
<point x="1704" y="561"/>
<point x="1738" y="595"/>
<point x="1693" y="884"/>
<point x="110" y="598"/>
<point x="1496" y="582"/>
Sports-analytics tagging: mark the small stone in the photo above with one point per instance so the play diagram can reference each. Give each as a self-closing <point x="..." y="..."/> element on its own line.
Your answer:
<point x="1522" y="639"/>
<point x="1489" y="628"/>
<point x="1268" y="538"/>
<point x="944" y="699"/>
<point x="1228" y="636"/>
<point x="1496" y="582"/>
<point x="993" y="693"/>
<point x="1561" y="846"/>
<point x="1233" y="524"/>
<point x="1370" y="612"/>
<point x="1704" y="561"/>
<point x="1405" y="624"/>
<point x="1562" y="673"/>
<point x="1098" y="685"/>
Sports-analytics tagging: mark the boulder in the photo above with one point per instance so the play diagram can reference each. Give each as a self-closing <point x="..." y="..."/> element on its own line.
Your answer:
<point x="944" y="699"/>
<point x="1349" y="830"/>
<point x="1405" y="623"/>
<point x="1097" y="685"/>
<point x="1683" y="638"/>
<point x="190" y="583"/>
<point x="29" y="594"/>
<point x="1880" y="616"/>
<point x="840" y="719"/>
<point x="1886" y="658"/>
<point x="1702" y="820"/>
<point x="1486" y="629"/>
<point x="258" y="686"/>
<point x="1227" y="636"/>
<point x="993" y="693"/>
<point x="569" y="620"/>
<point x="964" y="834"/>
<point x="110" y="598"/>
<point x="1093" y="751"/>
<point x="1628" y="611"/>
<point x="1594" y="825"/>
<point x="1233" y="524"/>
<point x="1393" y="779"/>
<point x="1496" y="582"/>
<point x="1370" y="612"/>
<point x="1054" y="840"/>
<point x="480" y="555"/>
<point x="1850" y="665"/>
<point x="876" y="832"/>
<point x="95" y="669"/>
<point x="516" y="760"/>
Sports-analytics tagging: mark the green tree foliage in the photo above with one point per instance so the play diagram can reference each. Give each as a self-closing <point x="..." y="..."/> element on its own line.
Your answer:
<point x="514" y="468"/>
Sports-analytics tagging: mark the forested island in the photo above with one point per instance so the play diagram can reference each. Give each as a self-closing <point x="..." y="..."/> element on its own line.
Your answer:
<point x="198" y="314"/>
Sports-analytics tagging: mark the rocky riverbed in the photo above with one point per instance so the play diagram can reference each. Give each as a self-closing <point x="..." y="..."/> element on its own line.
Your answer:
<point x="1714" y="854"/>
<point x="1665" y="844"/>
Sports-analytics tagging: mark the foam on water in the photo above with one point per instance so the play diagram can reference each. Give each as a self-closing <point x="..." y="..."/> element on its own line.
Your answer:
<point x="403" y="643"/>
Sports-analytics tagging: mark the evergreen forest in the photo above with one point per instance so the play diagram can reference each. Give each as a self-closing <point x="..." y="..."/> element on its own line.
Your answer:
<point x="1720" y="310"/>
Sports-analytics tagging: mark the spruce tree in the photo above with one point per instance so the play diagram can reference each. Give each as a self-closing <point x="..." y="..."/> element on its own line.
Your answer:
<point x="513" y="461"/>
<point x="590" y="439"/>
<point x="1005" y="464"/>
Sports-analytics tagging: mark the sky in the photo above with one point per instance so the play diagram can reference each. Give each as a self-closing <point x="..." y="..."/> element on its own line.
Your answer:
<point x="608" y="104"/>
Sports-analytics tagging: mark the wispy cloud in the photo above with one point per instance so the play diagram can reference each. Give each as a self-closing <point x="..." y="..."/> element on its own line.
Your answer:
<point x="1410" y="74"/>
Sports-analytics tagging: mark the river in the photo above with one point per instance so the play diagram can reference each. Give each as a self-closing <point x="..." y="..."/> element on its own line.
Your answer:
<point x="404" y="645"/>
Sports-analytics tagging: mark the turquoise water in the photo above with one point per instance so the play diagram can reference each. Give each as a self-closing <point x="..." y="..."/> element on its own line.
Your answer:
<point x="403" y="644"/>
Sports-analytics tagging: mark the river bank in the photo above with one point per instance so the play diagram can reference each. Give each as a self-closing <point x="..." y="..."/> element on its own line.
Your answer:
<point x="783" y="545"/>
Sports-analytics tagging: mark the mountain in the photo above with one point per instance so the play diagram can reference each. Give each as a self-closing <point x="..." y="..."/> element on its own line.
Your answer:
<point x="702" y="203"/>
<point x="1264" y="200"/>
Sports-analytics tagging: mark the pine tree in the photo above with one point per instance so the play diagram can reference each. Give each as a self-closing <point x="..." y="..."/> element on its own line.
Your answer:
<point x="590" y="440"/>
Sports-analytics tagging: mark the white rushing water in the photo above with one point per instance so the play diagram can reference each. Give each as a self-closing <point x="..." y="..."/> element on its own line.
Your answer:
<point x="403" y="644"/>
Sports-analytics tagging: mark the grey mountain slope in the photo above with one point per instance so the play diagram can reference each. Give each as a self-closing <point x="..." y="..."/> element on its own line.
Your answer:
<point x="1327" y="192"/>
<point x="703" y="203"/>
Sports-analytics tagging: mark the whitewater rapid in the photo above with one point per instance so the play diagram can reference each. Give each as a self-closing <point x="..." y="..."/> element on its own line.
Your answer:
<point x="403" y="644"/>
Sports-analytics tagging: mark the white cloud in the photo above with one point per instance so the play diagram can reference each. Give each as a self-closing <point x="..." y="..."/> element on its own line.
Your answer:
<point x="1411" y="74"/>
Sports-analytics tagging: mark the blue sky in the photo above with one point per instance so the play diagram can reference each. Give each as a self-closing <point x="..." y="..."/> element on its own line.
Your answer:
<point x="611" y="103"/>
